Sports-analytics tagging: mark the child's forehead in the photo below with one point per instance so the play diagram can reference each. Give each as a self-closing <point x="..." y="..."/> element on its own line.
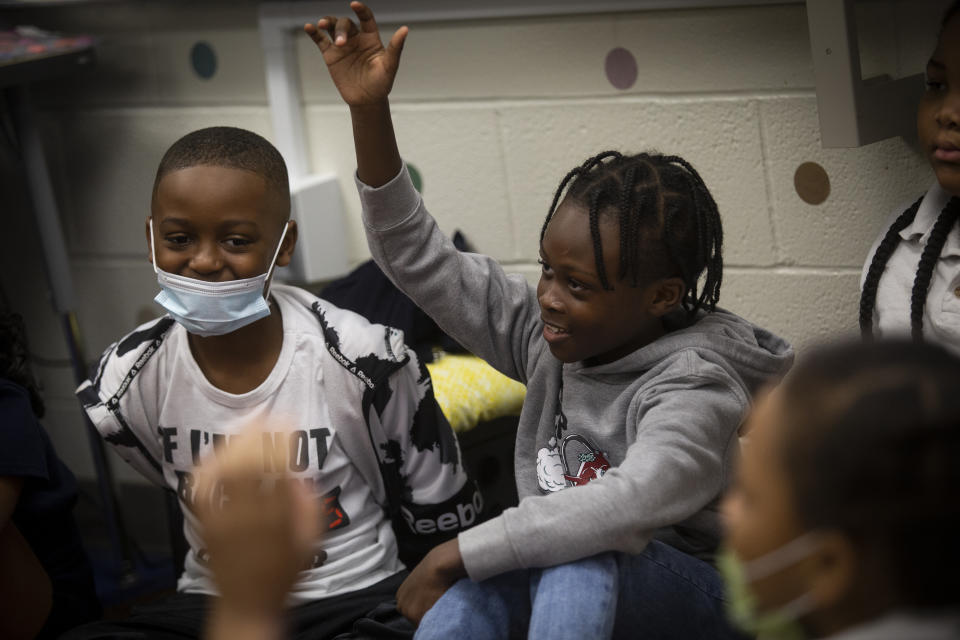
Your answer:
<point x="200" y="177"/>
<point x="947" y="51"/>
<point x="212" y="188"/>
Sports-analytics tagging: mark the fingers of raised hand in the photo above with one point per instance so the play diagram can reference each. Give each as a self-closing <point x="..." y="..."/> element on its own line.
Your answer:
<point x="319" y="34"/>
<point x="395" y="46"/>
<point x="331" y="30"/>
<point x="343" y="31"/>
<point x="365" y="16"/>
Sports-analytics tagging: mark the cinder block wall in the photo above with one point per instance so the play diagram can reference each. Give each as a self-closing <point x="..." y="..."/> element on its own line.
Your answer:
<point x="492" y="114"/>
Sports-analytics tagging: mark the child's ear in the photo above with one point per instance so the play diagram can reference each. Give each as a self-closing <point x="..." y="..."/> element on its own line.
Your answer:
<point x="289" y="244"/>
<point x="833" y="570"/>
<point x="666" y="295"/>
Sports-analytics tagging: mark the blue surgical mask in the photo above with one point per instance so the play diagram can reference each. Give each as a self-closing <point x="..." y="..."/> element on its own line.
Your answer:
<point x="782" y="623"/>
<point x="214" y="308"/>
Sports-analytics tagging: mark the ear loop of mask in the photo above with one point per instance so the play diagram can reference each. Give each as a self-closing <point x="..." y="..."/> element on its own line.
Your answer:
<point x="779" y="559"/>
<point x="273" y="263"/>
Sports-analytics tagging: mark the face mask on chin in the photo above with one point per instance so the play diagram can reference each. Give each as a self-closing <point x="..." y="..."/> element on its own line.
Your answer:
<point x="781" y="623"/>
<point x="214" y="308"/>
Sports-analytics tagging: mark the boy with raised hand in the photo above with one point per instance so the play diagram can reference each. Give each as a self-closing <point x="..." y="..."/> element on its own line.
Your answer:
<point x="366" y="436"/>
<point x="636" y="383"/>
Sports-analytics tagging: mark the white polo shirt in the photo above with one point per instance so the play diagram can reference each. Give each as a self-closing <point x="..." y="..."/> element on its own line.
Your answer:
<point x="941" y="313"/>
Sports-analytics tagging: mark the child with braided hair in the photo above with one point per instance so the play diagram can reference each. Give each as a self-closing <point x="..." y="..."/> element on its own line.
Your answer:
<point x="911" y="281"/>
<point x="636" y="384"/>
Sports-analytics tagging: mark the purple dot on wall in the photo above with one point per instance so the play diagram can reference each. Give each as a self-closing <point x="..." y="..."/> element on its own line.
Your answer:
<point x="621" y="68"/>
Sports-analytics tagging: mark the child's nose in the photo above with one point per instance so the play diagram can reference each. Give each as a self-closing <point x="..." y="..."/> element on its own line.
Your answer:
<point x="549" y="297"/>
<point x="206" y="260"/>
<point x="948" y="115"/>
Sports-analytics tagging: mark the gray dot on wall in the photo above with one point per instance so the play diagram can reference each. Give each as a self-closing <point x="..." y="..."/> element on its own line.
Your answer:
<point x="621" y="68"/>
<point x="203" y="59"/>
<point x="812" y="183"/>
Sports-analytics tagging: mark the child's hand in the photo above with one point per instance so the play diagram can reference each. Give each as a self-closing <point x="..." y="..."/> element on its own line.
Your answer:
<point x="430" y="579"/>
<point x="260" y="539"/>
<point x="359" y="65"/>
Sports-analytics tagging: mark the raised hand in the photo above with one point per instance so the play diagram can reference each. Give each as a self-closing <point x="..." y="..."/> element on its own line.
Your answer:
<point x="264" y="534"/>
<point x="361" y="68"/>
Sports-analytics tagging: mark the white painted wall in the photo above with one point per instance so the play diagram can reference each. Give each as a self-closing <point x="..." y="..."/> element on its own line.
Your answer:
<point x="492" y="113"/>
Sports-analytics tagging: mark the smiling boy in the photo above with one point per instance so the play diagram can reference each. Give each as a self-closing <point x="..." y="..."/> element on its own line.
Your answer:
<point x="352" y="408"/>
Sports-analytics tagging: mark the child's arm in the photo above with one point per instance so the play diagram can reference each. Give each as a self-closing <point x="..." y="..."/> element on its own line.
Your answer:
<point x="469" y="296"/>
<point x="363" y="71"/>
<point x="120" y="398"/>
<point x="438" y="498"/>
<point x="686" y="440"/>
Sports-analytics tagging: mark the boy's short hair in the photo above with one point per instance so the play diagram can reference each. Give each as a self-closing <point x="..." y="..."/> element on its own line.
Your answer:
<point x="229" y="147"/>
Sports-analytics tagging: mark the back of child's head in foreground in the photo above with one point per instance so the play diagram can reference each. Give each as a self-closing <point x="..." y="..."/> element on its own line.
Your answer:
<point x="231" y="148"/>
<point x="669" y="225"/>
<point x="870" y="444"/>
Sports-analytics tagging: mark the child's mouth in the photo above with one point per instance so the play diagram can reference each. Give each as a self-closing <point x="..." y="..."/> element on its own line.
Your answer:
<point x="552" y="333"/>
<point x="946" y="153"/>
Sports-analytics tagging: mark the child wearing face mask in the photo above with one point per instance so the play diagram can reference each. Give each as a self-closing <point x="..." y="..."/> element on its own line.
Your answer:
<point x="911" y="281"/>
<point x="844" y="518"/>
<point x="364" y="434"/>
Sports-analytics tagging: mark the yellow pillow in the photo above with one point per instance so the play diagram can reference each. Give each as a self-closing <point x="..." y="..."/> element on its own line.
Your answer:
<point x="470" y="391"/>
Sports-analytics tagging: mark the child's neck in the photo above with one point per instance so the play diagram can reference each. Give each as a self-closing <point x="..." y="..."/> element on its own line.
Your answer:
<point x="241" y="360"/>
<point x="654" y="331"/>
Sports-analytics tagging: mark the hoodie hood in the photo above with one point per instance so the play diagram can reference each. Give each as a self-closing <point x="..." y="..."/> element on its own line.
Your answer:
<point x="753" y="353"/>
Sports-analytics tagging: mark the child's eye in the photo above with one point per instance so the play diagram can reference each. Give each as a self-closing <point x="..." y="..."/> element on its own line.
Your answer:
<point x="576" y="285"/>
<point x="238" y="243"/>
<point x="934" y="85"/>
<point x="177" y="239"/>
<point x="544" y="266"/>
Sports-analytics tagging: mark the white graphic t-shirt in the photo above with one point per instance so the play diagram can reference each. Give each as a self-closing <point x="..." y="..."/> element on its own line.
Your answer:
<point x="151" y="401"/>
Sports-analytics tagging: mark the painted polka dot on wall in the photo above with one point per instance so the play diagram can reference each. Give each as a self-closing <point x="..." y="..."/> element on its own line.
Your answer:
<point x="621" y="68"/>
<point x="812" y="183"/>
<point x="415" y="177"/>
<point x="203" y="59"/>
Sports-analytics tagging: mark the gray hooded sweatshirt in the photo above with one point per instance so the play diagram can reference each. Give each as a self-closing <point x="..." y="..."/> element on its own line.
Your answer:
<point x="664" y="417"/>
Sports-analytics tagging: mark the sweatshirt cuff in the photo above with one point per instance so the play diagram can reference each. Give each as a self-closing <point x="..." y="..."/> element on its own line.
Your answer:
<point x="486" y="551"/>
<point x="389" y="205"/>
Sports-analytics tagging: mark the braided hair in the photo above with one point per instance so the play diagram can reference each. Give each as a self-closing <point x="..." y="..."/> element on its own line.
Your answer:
<point x="869" y="443"/>
<point x="928" y="260"/>
<point x="669" y="223"/>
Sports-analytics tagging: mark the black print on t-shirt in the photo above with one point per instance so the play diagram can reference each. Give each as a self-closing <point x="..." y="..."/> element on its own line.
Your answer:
<point x="293" y="447"/>
<point x="137" y="338"/>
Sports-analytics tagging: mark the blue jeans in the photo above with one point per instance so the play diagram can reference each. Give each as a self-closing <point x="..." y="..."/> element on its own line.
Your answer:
<point x="659" y="594"/>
